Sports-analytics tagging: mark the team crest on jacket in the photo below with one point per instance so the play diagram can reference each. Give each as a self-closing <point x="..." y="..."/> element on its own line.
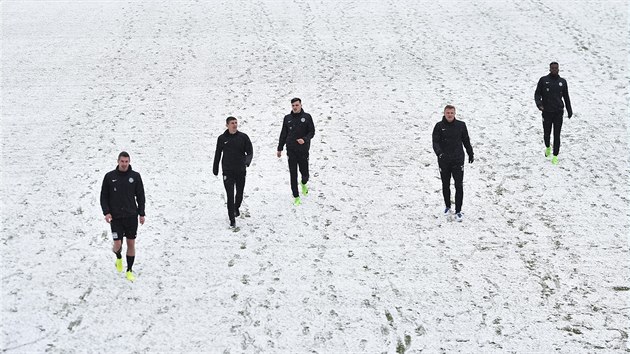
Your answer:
<point x="303" y="120"/>
<point x="559" y="83"/>
<point x="130" y="179"/>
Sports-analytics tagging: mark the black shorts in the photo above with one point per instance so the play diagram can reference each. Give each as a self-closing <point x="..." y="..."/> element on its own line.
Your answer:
<point x="124" y="227"/>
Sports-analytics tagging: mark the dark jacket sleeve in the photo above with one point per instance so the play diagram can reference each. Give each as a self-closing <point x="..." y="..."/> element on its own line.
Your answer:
<point x="567" y="100"/>
<point x="283" y="135"/>
<point x="217" y="157"/>
<point x="249" y="150"/>
<point x="466" y="141"/>
<point x="436" y="140"/>
<point x="140" y="195"/>
<point x="311" y="130"/>
<point x="538" y="93"/>
<point x="105" y="196"/>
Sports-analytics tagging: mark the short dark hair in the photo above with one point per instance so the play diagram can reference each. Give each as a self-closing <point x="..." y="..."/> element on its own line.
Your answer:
<point x="295" y="99"/>
<point x="123" y="154"/>
<point x="553" y="63"/>
<point x="449" y="106"/>
<point x="229" y="119"/>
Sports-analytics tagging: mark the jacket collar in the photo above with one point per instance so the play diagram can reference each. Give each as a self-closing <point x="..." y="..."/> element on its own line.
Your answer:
<point x="121" y="172"/>
<point x="447" y="122"/>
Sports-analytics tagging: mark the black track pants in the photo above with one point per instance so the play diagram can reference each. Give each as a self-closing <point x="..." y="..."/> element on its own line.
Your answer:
<point x="297" y="159"/>
<point x="552" y="119"/>
<point x="233" y="179"/>
<point x="456" y="170"/>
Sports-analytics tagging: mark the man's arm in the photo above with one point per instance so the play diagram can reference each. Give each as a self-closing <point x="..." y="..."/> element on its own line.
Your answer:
<point x="140" y="196"/>
<point x="217" y="157"/>
<point x="105" y="196"/>
<point x="467" y="145"/>
<point x="436" y="140"/>
<point x="311" y="130"/>
<point x="283" y="135"/>
<point x="538" y="95"/>
<point x="567" y="100"/>
<point x="249" y="151"/>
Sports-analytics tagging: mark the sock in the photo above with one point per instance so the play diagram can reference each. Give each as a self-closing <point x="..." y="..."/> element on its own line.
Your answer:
<point x="130" y="260"/>
<point x="119" y="253"/>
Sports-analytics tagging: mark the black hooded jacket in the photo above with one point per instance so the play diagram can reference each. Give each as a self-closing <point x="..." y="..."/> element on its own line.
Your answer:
<point x="237" y="152"/>
<point x="297" y="126"/>
<point x="448" y="139"/>
<point x="119" y="193"/>
<point x="550" y="91"/>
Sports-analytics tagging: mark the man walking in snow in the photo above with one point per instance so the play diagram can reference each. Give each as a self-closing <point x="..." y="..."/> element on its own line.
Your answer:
<point x="449" y="135"/>
<point x="237" y="153"/>
<point x="297" y="131"/>
<point x="120" y="191"/>
<point x="550" y="92"/>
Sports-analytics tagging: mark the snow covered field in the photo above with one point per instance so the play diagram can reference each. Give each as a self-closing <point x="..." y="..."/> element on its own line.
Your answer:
<point x="540" y="263"/>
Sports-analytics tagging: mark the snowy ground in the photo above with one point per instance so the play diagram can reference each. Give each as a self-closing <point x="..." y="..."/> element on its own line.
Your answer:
<point x="541" y="262"/>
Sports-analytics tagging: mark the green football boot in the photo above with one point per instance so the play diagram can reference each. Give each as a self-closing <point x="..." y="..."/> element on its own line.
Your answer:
<point x="548" y="151"/>
<point x="554" y="159"/>
<point x="119" y="265"/>
<point x="130" y="276"/>
<point x="297" y="201"/>
<point x="304" y="189"/>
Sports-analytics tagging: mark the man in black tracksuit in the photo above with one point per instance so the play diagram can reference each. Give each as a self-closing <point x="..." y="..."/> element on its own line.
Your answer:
<point x="449" y="135"/>
<point x="297" y="131"/>
<point x="120" y="191"/>
<point x="550" y="92"/>
<point x="237" y="155"/>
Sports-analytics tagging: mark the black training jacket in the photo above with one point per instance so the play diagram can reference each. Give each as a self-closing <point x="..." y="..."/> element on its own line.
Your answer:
<point x="448" y="139"/>
<point x="297" y="126"/>
<point x="237" y="152"/>
<point x="119" y="194"/>
<point x="549" y="93"/>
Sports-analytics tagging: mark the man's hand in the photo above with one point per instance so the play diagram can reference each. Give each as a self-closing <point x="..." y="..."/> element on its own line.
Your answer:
<point x="279" y="153"/>
<point x="142" y="220"/>
<point x="540" y="108"/>
<point x="300" y="141"/>
<point x="471" y="158"/>
<point x="570" y="115"/>
<point x="108" y="218"/>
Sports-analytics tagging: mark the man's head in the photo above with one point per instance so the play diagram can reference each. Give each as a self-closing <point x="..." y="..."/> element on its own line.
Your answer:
<point x="449" y="113"/>
<point x="123" y="161"/>
<point x="296" y="105"/>
<point x="232" y="124"/>
<point x="554" y="68"/>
